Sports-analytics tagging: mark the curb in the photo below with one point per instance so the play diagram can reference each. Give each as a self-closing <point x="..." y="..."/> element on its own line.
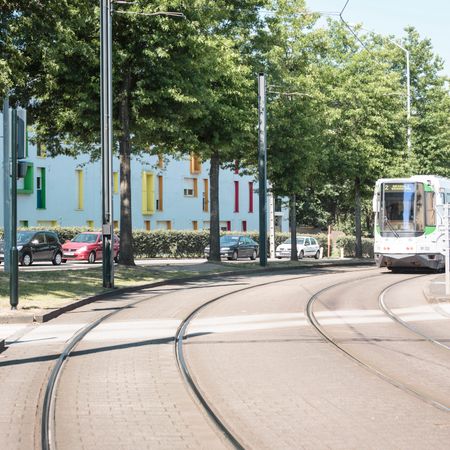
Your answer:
<point x="41" y="318"/>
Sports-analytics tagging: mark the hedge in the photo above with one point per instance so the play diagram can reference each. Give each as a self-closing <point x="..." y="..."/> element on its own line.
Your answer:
<point x="348" y="243"/>
<point x="182" y="244"/>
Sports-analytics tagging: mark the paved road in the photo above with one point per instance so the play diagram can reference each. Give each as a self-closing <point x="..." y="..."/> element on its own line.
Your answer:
<point x="271" y="377"/>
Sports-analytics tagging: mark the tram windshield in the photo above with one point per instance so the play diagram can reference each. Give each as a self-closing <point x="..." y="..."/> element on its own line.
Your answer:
<point x="403" y="209"/>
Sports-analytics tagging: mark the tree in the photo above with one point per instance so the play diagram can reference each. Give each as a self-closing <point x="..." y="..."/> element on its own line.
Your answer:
<point x="179" y="85"/>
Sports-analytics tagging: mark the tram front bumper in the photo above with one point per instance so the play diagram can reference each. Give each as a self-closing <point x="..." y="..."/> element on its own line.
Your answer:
<point x="431" y="261"/>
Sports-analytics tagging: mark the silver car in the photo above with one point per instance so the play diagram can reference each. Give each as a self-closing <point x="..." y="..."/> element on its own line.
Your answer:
<point x="306" y="246"/>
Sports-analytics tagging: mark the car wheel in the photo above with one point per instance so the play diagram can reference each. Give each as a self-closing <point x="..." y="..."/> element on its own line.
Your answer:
<point x="56" y="261"/>
<point x="235" y="255"/>
<point x="317" y="255"/>
<point x="301" y="254"/>
<point x="91" y="258"/>
<point x="116" y="258"/>
<point x="253" y="257"/>
<point x="26" y="260"/>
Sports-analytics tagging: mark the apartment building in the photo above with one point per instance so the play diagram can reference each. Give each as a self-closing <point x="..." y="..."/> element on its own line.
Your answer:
<point x="166" y="193"/>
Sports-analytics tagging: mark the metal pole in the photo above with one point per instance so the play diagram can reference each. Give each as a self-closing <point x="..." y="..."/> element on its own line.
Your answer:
<point x="262" y="169"/>
<point x="6" y="186"/>
<point x="447" y="249"/>
<point x="106" y="140"/>
<point x="408" y="103"/>
<point x="14" y="275"/>
<point x="271" y="223"/>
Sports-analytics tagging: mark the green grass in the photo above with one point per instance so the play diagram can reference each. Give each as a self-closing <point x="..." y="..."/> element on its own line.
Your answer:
<point x="56" y="288"/>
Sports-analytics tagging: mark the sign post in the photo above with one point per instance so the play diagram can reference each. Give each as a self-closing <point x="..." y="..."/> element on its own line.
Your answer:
<point x="447" y="248"/>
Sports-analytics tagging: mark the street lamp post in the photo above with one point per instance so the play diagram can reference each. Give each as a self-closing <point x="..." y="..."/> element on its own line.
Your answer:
<point x="106" y="140"/>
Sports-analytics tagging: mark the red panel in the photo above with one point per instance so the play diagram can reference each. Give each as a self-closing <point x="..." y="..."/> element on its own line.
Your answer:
<point x="244" y="225"/>
<point x="228" y="225"/>
<point x="236" y="196"/>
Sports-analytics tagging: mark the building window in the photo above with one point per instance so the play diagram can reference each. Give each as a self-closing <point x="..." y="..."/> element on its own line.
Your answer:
<point x="40" y="188"/>
<point x="236" y="196"/>
<point x="195" y="225"/>
<point x="23" y="223"/>
<point x="244" y="225"/>
<point x="195" y="164"/>
<point x="159" y="200"/>
<point x="147" y="225"/>
<point x="163" y="225"/>
<point x="190" y="187"/>
<point x="148" y="193"/>
<point x="47" y="223"/>
<point x="250" y="196"/>
<point x="205" y="195"/>
<point x="80" y="190"/>
<point x="115" y="182"/>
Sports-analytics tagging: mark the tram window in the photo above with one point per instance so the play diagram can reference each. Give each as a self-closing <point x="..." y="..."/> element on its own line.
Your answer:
<point x="420" y="208"/>
<point x="430" y="203"/>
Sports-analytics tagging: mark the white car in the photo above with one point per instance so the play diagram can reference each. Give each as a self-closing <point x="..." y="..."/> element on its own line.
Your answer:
<point x="306" y="246"/>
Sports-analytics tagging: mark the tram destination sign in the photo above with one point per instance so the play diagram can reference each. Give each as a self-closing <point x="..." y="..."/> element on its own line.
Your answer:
<point x="399" y="187"/>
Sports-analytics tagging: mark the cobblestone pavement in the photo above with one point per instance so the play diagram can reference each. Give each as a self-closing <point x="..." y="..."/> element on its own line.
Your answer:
<point x="267" y="373"/>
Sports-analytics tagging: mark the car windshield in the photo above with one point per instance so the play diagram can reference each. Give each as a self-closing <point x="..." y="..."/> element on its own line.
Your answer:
<point x="24" y="236"/>
<point x="229" y="240"/>
<point x="300" y="241"/>
<point x="86" y="238"/>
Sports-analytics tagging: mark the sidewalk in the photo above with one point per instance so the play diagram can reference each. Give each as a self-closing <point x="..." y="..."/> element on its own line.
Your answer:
<point x="435" y="291"/>
<point x="174" y="271"/>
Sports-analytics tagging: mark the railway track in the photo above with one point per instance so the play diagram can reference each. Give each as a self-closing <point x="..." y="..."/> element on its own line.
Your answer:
<point x="48" y="413"/>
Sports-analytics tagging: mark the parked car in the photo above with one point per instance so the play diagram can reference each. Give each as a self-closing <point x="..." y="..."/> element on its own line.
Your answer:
<point x="87" y="246"/>
<point x="36" y="246"/>
<point x="234" y="247"/>
<point x="306" y="246"/>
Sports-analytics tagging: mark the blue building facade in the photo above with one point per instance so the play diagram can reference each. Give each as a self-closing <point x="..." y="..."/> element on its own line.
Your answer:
<point x="166" y="193"/>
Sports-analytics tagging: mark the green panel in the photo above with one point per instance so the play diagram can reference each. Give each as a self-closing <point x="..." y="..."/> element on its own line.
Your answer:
<point x="41" y="192"/>
<point x="28" y="187"/>
<point x="428" y="188"/>
<point x="429" y="230"/>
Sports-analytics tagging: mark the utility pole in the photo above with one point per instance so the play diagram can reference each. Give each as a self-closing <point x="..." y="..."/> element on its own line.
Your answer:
<point x="262" y="169"/>
<point x="13" y="255"/>
<point x="6" y="185"/>
<point x="106" y="141"/>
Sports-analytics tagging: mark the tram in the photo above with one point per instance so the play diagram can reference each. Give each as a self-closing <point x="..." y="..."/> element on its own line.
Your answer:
<point x="410" y="222"/>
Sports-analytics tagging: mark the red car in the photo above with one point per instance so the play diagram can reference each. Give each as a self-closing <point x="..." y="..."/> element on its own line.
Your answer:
<point x="87" y="246"/>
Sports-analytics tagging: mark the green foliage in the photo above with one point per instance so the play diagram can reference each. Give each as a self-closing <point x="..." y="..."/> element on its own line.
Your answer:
<point x="348" y="244"/>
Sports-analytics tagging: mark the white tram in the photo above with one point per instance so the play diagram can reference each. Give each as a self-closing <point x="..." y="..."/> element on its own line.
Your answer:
<point x="409" y="221"/>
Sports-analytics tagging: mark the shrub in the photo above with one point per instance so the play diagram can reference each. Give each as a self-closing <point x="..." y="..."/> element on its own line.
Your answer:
<point x="348" y="244"/>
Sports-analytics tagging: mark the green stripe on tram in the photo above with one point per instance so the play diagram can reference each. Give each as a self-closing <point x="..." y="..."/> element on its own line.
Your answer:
<point x="429" y="230"/>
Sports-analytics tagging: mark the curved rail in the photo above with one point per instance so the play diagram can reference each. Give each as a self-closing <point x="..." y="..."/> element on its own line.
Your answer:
<point x="47" y="419"/>
<point x="398" y="384"/>
<point x="397" y="319"/>
<point x="179" y="339"/>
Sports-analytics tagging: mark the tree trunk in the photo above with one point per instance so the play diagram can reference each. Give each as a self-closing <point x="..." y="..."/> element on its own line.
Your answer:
<point x="214" y="231"/>
<point x="293" y="226"/>
<point x="126" y="229"/>
<point x="358" y="242"/>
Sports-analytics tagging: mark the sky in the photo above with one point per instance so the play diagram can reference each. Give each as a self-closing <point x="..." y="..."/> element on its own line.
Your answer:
<point x="431" y="18"/>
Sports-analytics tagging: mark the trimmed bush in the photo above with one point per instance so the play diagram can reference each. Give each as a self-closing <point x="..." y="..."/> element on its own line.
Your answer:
<point x="185" y="244"/>
<point x="348" y="244"/>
